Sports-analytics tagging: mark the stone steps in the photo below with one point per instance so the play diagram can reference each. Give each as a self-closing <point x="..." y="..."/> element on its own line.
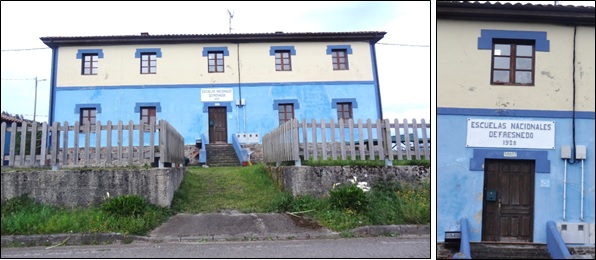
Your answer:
<point x="219" y="155"/>
<point x="508" y="251"/>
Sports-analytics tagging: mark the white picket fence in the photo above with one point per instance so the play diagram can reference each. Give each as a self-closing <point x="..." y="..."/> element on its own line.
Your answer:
<point x="88" y="148"/>
<point x="296" y="141"/>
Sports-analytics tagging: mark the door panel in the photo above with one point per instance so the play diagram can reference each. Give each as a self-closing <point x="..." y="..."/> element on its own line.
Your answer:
<point x="510" y="216"/>
<point x="218" y="125"/>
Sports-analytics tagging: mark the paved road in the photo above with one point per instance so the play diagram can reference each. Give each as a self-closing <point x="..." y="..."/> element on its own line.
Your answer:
<point x="371" y="247"/>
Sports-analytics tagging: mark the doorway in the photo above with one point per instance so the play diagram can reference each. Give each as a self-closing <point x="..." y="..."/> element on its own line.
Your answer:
<point x="508" y="204"/>
<point x="218" y="125"/>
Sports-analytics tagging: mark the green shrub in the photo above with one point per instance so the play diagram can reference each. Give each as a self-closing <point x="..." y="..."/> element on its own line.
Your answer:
<point x="348" y="196"/>
<point x="125" y="206"/>
<point x="17" y="204"/>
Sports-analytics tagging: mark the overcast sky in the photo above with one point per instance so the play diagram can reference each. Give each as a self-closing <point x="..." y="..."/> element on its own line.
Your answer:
<point x="403" y="56"/>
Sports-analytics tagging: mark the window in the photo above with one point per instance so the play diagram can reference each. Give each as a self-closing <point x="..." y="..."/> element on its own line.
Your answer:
<point x="512" y="63"/>
<point x="283" y="61"/>
<point x="286" y="112"/>
<point x="148" y="115"/>
<point x="344" y="111"/>
<point x="340" y="59"/>
<point x="216" y="61"/>
<point x="90" y="64"/>
<point x="148" y="63"/>
<point x="88" y="115"/>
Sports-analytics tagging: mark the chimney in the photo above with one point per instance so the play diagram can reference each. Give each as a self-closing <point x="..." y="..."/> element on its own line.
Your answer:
<point x="144" y="34"/>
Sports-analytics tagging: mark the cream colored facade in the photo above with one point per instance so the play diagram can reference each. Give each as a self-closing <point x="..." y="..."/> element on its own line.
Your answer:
<point x="463" y="70"/>
<point x="185" y="64"/>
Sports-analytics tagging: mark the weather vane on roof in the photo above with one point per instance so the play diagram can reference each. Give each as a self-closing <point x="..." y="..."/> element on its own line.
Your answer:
<point x="231" y="15"/>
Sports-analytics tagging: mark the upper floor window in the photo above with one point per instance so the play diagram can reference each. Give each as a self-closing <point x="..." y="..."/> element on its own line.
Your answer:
<point x="282" y="60"/>
<point x="286" y="112"/>
<point x="89" y="66"/>
<point x="88" y="115"/>
<point x="148" y="115"/>
<point x="513" y="62"/>
<point x="344" y="110"/>
<point x="216" y="61"/>
<point x="148" y="63"/>
<point x="340" y="59"/>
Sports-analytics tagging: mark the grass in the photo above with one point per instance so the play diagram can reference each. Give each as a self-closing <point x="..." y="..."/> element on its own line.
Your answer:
<point x="246" y="189"/>
<point x="23" y="216"/>
<point x="358" y="162"/>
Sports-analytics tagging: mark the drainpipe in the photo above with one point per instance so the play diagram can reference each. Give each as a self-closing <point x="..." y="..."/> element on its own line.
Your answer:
<point x="564" y="189"/>
<point x="581" y="216"/>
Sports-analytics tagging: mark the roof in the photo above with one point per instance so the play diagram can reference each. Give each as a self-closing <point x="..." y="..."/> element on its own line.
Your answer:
<point x="11" y="119"/>
<point x="146" y="38"/>
<point x="536" y="13"/>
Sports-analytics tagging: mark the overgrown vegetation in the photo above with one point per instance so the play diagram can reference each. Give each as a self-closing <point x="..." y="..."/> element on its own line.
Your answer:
<point x="24" y="216"/>
<point x="358" y="162"/>
<point x="245" y="189"/>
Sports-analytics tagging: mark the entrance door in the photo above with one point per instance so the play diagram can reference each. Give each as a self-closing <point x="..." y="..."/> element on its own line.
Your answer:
<point x="508" y="207"/>
<point x="218" y="125"/>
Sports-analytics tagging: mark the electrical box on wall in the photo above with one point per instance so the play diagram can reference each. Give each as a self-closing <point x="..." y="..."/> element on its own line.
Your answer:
<point x="580" y="152"/>
<point x="248" y="138"/>
<point x="565" y="152"/>
<point x="574" y="233"/>
<point x="241" y="102"/>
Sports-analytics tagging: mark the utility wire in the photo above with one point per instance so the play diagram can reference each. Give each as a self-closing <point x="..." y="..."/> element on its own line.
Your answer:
<point x="29" y="49"/>
<point x="403" y="44"/>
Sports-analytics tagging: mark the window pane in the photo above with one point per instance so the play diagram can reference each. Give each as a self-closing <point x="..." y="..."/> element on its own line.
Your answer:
<point x="145" y="70"/>
<point x="277" y="61"/>
<point x="94" y="71"/>
<point x="335" y="66"/>
<point x="219" y="56"/>
<point x="501" y="63"/>
<point x="502" y="49"/>
<point x="501" y="76"/>
<point x="342" y="60"/>
<point x="334" y="54"/>
<point x="211" y="62"/>
<point x="153" y="70"/>
<point x="346" y="114"/>
<point x="220" y="68"/>
<point x="87" y="71"/>
<point x="144" y="63"/>
<point x="277" y="55"/>
<point x="523" y="77"/>
<point x="282" y="108"/>
<point x="524" y="50"/>
<point x="93" y="112"/>
<point x="277" y="67"/>
<point x="87" y="58"/>
<point x="288" y="67"/>
<point x="153" y="57"/>
<point x="211" y="56"/>
<point x="153" y="63"/>
<point x="343" y="66"/>
<point x="523" y="63"/>
<point x="211" y="68"/>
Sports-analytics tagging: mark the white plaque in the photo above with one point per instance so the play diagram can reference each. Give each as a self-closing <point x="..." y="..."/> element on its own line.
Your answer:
<point x="511" y="134"/>
<point x="217" y="94"/>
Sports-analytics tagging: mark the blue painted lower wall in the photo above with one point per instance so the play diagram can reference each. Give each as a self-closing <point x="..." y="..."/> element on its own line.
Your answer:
<point x="181" y="105"/>
<point x="460" y="184"/>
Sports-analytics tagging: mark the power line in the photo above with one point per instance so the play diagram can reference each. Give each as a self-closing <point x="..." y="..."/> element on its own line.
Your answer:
<point x="19" y="79"/>
<point x="403" y="44"/>
<point x="28" y="49"/>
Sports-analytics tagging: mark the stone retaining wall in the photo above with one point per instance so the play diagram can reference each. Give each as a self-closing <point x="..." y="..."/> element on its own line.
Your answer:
<point x="318" y="180"/>
<point x="84" y="187"/>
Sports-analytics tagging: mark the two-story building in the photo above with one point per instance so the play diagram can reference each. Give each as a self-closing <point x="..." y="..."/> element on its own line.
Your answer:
<point x="215" y="85"/>
<point x="515" y="121"/>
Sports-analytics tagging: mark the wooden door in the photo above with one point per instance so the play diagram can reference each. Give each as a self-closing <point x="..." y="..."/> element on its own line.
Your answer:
<point x="508" y="204"/>
<point x="218" y="125"/>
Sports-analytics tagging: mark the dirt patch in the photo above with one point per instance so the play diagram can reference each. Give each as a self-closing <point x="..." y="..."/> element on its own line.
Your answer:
<point x="305" y="221"/>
